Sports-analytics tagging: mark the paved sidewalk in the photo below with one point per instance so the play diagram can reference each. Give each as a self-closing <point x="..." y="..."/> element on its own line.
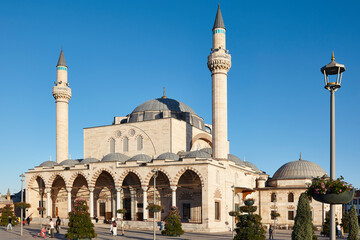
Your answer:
<point x="104" y="234"/>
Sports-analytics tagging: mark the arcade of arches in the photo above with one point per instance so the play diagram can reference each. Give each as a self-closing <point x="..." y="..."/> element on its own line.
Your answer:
<point x="105" y="196"/>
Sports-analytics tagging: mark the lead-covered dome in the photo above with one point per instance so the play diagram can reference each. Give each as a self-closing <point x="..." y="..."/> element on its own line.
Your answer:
<point x="168" y="156"/>
<point x="163" y="104"/>
<point x="299" y="169"/>
<point x="115" y="157"/>
<point x="48" y="164"/>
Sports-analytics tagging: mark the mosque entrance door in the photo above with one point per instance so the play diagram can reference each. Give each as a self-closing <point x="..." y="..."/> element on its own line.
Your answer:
<point x="102" y="209"/>
<point x="127" y="206"/>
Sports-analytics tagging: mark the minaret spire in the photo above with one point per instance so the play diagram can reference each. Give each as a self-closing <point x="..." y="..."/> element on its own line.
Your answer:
<point x="219" y="22"/>
<point x="219" y="63"/>
<point x="61" y="61"/>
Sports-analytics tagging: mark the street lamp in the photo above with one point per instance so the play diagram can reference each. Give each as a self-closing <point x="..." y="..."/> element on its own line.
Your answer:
<point x="154" y="176"/>
<point x="333" y="68"/>
<point x="233" y="209"/>
<point x="21" y="209"/>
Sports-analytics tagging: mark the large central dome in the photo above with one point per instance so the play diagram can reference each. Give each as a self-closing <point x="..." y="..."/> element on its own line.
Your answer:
<point x="163" y="104"/>
<point x="299" y="169"/>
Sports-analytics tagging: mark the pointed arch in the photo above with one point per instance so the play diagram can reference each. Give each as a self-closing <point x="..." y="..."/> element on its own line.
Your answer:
<point x="53" y="177"/>
<point x="125" y="173"/>
<point x="75" y="175"/>
<point x="150" y="174"/>
<point x="183" y="170"/>
<point x="33" y="179"/>
<point x="97" y="174"/>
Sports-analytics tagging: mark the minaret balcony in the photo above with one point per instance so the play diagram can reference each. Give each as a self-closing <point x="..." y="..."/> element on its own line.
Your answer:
<point x="219" y="61"/>
<point x="62" y="93"/>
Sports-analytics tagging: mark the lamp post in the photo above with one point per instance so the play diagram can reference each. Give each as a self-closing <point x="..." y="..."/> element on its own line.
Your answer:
<point x="275" y="200"/>
<point x="333" y="68"/>
<point x="21" y="209"/>
<point x="154" y="176"/>
<point x="233" y="208"/>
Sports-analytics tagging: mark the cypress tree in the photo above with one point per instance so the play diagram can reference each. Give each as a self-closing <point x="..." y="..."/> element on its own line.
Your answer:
<point x="303" y="228"/>
<point x="5" y="213"/>
<point x="353" y="225"/>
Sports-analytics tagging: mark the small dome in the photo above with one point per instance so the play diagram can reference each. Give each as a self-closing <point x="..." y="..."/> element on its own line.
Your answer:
<point x="140" y="158"/>
<point x="235" y="159"/>
<point x="207" y="150"/>
<point x="168" y="156"/>
<point x="299" y="169"/>
<point x="198" y="154"/>
<point x="69" y="162"/>
<point x="48" y="164"/>
<point x="251" y="165"/>
<point x="163" y="104"/>
<point x="115" y="157"/>
<point x="89" y="160"/>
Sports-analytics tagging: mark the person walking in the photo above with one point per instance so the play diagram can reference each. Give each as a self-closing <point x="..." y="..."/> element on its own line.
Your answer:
<point x="122" y="225"/>
<point x="111" y="226"/>
<point x="114" y="225"/>
<point x="342" y="231"/>
<point x="338" y="230"/>
<point x="28" y="220"/>
<point x="271" y="236"/>
<point x="9" y="226"/>
<point x="52" y="227"/>
<point x="58" y="223"/>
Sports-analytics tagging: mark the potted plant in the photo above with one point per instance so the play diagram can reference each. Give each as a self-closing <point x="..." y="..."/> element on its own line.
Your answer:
<point x="22" y="205"/>
<point x="331" y="191"/>
<point x="154" y="208"/>
<point x="233" y="213"/>
<point x="249" y="202"/>
<point x="275" y="215"/>
<point x="80" y="225"/>
<point x="122" y="211"/>
<point x="41" y="210"/>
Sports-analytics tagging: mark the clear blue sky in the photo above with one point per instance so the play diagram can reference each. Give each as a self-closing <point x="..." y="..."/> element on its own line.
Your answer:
<point x="121" y="53"/>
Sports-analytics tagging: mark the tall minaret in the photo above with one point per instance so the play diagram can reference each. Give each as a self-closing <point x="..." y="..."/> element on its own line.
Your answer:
<point x="219" y="63"/>
<point x="62" y="95"/>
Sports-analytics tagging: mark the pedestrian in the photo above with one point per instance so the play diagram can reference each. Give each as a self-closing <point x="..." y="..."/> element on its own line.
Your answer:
<point x="111" y="226"/>
<point x="52" y="227"/>
<point x="9" y="226"/>
<point x="271" y="236"/>
<point x="114" y="225"/>
<point x="162" y="223"/>
<point x="58" y="223"/>
<point x="122" y="224"/>
<point x="28" y="221"/>
<point x="338" y="230"/>
<point x="342" y="231"/>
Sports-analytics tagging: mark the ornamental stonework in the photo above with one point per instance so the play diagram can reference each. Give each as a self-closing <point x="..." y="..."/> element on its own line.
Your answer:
<point x="62" y="93"/>
<point x="219" y="61"/>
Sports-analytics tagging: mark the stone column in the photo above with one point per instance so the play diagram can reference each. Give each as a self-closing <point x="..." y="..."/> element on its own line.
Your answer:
<point x="91" y="202"/>
<point x="69" y="199"/>
<point x="173" y="195"/>
<point x="145" y="203"/>
<point x="118" y="201"/>
<point x="133" y="203"/>
<point x="48" y="192"/>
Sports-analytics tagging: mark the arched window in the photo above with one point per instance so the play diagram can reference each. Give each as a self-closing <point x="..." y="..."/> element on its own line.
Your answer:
<point x="112" y="145"/>
<point x="125" y="144"/>
<point x="291" y="197"/>
<point x="139" y="143"/>
<point x="273" y="197"/>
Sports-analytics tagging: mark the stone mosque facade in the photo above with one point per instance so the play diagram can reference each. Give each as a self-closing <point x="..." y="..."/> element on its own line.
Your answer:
<point x="194" y="168"/>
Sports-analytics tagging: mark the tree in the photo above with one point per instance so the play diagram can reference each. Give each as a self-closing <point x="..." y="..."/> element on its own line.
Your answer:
<point x="173" y="223"/>
<point x="80" y="225"/>
<point x="249" y="225"/>
<point x="7" y="212"/>
<point x="345" y="221"/>
<point x="303" y="228"/>
<point x="353" y="225"/>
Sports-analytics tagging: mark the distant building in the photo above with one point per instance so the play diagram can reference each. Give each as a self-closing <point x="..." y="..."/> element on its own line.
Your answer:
<point x="355" y="202"/>
<point x="6" y="199"/>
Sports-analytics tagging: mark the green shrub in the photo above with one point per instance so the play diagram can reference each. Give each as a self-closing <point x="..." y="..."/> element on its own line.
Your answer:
<point x="303" y="227"/>
<point x="353" y="225"/>
<point x="173" y="223"/>
<point x="5" y="213"/>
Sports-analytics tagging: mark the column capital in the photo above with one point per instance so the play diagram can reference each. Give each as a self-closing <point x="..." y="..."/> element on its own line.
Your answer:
<point x="91" y="189"/>
<point x="119" y="189"/>
<point x="47" y="190"/>
<point x="68" y="189"/>
<point x="173" y="188"/>
<point x="145" y="189"/>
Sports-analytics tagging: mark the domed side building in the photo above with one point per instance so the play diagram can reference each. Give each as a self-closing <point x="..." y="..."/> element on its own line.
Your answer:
<point x="281" y="194"/>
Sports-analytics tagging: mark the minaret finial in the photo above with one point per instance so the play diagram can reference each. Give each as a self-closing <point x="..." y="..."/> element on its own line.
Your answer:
<point x="332" y="57"/>
<point x="219" y="22"/>
<point x="300" y="156"/>
<point x="164" y="96"/>
<point x="61" y="61"/>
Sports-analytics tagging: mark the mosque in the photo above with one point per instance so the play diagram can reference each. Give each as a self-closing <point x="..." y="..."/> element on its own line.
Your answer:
<point x="165" y="140"/>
